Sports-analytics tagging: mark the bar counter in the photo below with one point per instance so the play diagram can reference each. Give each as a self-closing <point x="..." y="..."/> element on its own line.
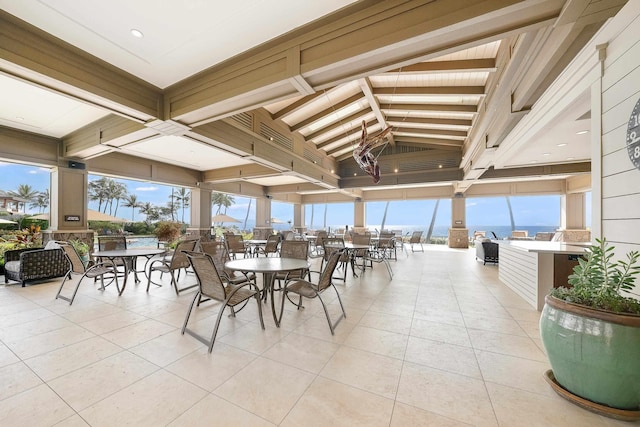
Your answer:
<point x="532" y="268"/>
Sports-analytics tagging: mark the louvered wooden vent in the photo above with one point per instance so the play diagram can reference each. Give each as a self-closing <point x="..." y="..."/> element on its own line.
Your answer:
<point x="244" y="119"/>
<point x="312" y="156"/>
<point x="276" y="137"/>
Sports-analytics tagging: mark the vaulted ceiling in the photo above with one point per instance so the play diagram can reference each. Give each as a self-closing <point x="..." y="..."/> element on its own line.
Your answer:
<point x="270" y="97"/>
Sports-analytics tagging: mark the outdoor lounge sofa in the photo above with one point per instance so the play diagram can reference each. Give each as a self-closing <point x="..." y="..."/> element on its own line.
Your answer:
<point x="30" y="265"/>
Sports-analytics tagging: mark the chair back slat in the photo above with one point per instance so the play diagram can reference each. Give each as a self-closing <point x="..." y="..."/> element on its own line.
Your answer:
<point x="361" y="239"/>
<point x="334" y="244"/>
<point x="298" y="249"/>
<point x="77" y="266"/>
<point x="209" y="281"/>
<point x="179" y="259"/>
<point x="234" y="243"/>
<point x="415" y="237"/>
<point x="272" y="244"/>
<point x="112" y="243"/>
<point x="327" y="274"/>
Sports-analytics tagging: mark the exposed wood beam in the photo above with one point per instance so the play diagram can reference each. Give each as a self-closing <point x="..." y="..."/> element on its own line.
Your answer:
<point x="367" y="37"/>
<point x="560" y="169"/>
<point x="295" y="106"/>
<point x="421" y="131"/>
<point x="440" y="175"/>
<point x="430" y="90"/>
<point x="367" y="89"/>
<point x="352" y="136"/>
<point x="335" y="108"/>
<point x="35" y="56"/>
<point x="429" y="121"/>
<point x="436" y="108"/>
<point x="440" y="144"/>
<point x="465" y="65"/>
<point x="294" y="188"/>
<point x="338" y="124"/>
<point x="235" y="173"/>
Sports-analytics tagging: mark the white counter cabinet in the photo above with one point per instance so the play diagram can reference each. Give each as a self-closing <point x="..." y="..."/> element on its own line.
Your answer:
<point x="531" y="268"/>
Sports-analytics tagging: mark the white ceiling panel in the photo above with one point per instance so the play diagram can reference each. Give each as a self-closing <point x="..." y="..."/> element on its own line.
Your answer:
<point x="180" y="39"/>
<point x="30" y="108"/>
<point x="184" y="152"/>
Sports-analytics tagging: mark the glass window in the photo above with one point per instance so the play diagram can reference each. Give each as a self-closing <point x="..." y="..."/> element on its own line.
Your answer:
<point x="410" y="215"/>
<point x="501" y="215"/>
<point x="328" y="216"/>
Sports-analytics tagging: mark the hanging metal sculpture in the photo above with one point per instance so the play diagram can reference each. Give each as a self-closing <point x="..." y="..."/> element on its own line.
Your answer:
<point x="363" y="152"/>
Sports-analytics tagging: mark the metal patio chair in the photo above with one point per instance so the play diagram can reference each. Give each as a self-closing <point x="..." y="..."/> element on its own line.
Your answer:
<point x="91" y="270"/>
<point x="307" y="289"/>
<point x="212" y="286"/>
<point x="173" y="265"/>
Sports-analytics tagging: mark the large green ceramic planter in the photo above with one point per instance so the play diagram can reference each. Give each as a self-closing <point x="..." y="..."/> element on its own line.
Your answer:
<point x="593" y="354"/>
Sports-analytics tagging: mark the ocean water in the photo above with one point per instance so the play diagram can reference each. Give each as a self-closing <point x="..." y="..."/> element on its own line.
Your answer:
<point x="501" y="231"/>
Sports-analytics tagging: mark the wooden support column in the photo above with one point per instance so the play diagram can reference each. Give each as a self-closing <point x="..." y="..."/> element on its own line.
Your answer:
<point x="200" y="220"/>
<point x="458" y="233"/>
<point x="68" y="212"/>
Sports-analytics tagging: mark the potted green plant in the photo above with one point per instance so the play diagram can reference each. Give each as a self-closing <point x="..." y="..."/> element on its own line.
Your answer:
<point x="82" y="249"/>
<point x="591" y="334"/>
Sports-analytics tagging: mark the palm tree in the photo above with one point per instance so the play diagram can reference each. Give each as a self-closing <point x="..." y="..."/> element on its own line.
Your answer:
<point x="384" y="216"/>
<point x="117" y="191"/>
<point x="151" y="212"/>
<point x="24" y="191"/>
<point x="513" y="223"/>
<point x="131" y="201"/>
<point x="41" y="201"/>
<point x="246" y="217"/>
<point x="183" y="197"/>
<point x="98" y="190"/>
<point x="433" y="221"/>
<point x="220" y="200"/>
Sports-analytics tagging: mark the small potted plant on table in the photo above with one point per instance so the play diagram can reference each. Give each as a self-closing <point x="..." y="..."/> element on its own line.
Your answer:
<point x="591" y="334"/>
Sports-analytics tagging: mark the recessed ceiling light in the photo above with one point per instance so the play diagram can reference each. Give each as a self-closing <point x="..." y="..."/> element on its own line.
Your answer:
<point x="570" y="158"/>
<point x="562" y="144"/>
<point x="395" y="170"/>
<point x="546" y="154"/>
<point x="332" y="171"/>
<point x="355" y="174"/>
<point x="137" y="33"/>
<point x="582" y="132"/>
<point x="440" y="166"/>
<point x="533" y="161"/>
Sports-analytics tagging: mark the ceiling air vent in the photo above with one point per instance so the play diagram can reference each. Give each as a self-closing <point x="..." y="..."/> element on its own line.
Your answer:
<point x="276" y="137"/>
<point x="312" y="156"/>
<point x="244" y="120"/>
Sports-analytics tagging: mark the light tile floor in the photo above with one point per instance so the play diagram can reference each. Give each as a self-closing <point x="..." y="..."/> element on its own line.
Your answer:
<point x="442" y="344"/>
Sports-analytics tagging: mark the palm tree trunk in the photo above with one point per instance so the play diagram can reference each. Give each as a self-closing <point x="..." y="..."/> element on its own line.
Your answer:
<point x="433" y="221"/>
<point x="246" y="217"/>
<point x="513" y="223"/>
<point x="384" y="217"/>
<point x="325" y="215"/>
<point x="313" y="208"/>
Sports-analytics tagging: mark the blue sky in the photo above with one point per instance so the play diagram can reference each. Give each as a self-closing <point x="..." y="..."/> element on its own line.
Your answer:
<point x="534" y="210"/>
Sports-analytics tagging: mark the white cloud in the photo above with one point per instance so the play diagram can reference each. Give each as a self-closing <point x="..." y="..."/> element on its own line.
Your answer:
<point x="471" y="204"/>
<point x="152" y="188"/>
<point x="33" y="172"/>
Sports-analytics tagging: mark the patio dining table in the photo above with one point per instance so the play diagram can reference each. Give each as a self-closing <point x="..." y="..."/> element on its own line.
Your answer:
<point x="268" y="267"/>
<point x="128" y="256"/>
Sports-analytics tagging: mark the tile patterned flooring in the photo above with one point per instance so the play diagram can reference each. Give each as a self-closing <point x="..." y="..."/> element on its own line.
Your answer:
<point x="442" y="344"/>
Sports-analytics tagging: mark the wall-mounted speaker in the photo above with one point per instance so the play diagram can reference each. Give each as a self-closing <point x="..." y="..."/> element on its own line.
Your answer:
<point x="76" y="165"/>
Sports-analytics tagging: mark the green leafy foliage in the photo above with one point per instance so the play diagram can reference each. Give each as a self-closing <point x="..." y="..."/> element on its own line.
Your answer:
<point x="598" y="281"/>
